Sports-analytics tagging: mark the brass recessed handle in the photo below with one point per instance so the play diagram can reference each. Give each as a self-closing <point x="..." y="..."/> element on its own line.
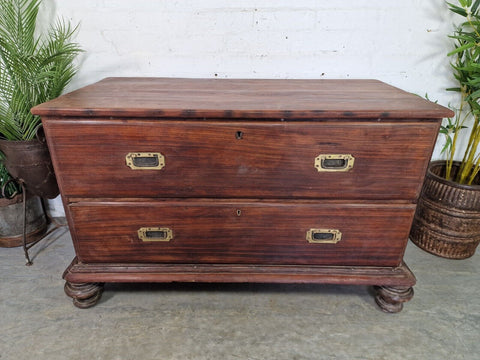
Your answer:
<point x="334" y="162"/>
<point x="150" y="234"/>
<point x="145" y="161"/>
<point x="323" y="236"/>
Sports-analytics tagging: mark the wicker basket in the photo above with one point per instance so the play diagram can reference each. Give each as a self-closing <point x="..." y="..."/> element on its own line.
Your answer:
<point x="447" y="220"/>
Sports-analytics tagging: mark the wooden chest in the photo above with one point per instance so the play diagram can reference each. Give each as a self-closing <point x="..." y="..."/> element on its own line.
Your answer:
<point x="302" y="181"/>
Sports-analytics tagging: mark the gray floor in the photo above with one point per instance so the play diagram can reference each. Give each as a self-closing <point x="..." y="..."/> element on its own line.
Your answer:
<point x="235" y="321"/>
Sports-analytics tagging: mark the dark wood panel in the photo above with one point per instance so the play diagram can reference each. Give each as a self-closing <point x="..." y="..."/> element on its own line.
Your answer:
<point x="271" y="160"/>
<point x="241" y="232"/>
<point x="239" y="98"/>
<point x="361" y="275"/>
<point x="239" y="190"/>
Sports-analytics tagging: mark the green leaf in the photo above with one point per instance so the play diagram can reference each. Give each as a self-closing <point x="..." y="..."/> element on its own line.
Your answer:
<point x="458" y="10"/>
<point x="473" y="96"/>
<point x="461" y="48"/>
<point x="475" y="6"/>
<point x="33" y="68"/>
<point x="448" y="145"/>
<point x="11" y="188"/>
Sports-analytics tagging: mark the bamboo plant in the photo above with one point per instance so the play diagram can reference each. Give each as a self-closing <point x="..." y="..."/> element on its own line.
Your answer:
<point x="466" y="69"/>
<point x="34" y="68"/>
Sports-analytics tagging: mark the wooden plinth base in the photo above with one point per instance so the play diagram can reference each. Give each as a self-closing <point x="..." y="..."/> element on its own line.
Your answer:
<point x="391" y="299"/>
<point x="84" y="295"/>
<point x="393" y="285"/>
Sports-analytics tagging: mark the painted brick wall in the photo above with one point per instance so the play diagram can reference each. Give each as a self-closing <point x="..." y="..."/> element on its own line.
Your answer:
<point x="403" y="43"/>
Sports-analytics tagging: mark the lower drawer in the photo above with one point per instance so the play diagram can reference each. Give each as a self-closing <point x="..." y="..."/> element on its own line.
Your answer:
<point x="227" y="232"/>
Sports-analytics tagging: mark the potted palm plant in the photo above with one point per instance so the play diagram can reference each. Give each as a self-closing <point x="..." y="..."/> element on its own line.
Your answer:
<point x="34" y="68"/>
<point x="447" y="220"/>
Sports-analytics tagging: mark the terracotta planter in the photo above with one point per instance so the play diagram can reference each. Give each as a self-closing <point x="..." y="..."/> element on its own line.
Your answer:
<point x="447" y="220"/>
<point x="30" y="162"/>
<point x="11" y="221"/>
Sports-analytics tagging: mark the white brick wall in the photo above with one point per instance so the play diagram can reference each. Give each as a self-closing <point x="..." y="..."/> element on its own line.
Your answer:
<point x="403" y="43"/>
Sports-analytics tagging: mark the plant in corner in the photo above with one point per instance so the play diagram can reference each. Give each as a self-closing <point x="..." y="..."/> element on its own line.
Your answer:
<point x="8" y="187"/>
<point x="34" y="68"/>
<point x="447" y="220"/>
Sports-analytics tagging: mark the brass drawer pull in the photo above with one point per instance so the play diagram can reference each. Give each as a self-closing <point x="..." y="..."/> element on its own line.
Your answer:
<point x="145" y="161"/>
<point x="324" y="236"/>
<point x="147" y="234"/>
<point x="334" y="162"/>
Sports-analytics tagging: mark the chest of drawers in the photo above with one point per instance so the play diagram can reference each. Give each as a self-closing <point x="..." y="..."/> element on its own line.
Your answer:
<point x="291" y="181"/>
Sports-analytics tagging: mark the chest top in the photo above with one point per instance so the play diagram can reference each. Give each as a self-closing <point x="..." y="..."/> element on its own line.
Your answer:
<point x="244" y="99"/>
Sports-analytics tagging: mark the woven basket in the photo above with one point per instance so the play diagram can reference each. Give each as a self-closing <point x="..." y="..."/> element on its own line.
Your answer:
<point x="447" y="220"/>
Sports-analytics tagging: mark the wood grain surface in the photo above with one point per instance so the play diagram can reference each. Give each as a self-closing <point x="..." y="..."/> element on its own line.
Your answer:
<point x="240" y="98"/>
<point x="79" y="272"/>
<point x="241" y="232"/>
<point x="271" y="160"/>
<point x="239" y="189"/>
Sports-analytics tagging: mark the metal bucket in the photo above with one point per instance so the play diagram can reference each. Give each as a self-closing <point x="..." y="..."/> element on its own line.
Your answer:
<point x="11" y="221"/>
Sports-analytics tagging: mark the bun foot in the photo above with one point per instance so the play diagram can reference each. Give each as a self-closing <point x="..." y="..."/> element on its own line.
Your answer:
<point x="390" y="299"/>
<point x="84" y="295"/>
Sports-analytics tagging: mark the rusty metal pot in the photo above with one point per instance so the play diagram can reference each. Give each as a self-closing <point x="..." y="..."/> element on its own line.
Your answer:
<point x="29" y="161"/>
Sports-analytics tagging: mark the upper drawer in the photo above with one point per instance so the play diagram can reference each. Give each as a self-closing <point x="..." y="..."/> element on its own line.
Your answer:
<point x="377" y="160"/>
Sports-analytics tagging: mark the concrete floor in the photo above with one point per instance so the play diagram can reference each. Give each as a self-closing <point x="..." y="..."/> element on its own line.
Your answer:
<point x="235" y="321"/>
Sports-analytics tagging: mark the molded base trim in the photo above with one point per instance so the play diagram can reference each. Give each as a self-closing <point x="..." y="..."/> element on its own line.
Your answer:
<point x="393" y="284"/>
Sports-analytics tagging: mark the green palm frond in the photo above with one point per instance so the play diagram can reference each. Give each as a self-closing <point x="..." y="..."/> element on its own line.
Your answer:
<point x="32" y="69"/>
<point x="11" y="187"/>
